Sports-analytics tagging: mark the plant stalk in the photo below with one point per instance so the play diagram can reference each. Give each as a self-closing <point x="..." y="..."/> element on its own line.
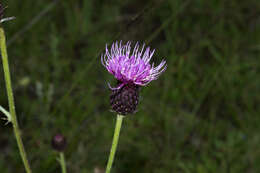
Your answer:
<point x="63" y="163"/>
<point x="11" y="101"/>
<point x="115" y="142"/>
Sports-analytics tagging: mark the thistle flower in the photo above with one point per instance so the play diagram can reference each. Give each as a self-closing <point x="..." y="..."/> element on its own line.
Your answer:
<point x="59" y="142"/>
<point x="132" y="69"/>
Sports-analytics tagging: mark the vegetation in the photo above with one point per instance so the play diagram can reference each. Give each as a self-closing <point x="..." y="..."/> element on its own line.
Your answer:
<point x="202" y="115"/>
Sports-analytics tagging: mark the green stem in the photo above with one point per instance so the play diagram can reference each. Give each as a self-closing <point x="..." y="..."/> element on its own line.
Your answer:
<point x="115" y="141"/>
<point x="11" y="101"/>
<point x="62" y="162"/>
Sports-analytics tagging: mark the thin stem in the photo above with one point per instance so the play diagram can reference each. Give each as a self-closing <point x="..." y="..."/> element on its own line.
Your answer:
<point x="11" y="101"/>
<point x="62" y="163"/>
<point x="115" y="141"/>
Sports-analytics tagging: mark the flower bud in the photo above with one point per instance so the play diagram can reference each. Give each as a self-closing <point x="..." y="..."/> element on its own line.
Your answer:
<point x="59" y="142"/>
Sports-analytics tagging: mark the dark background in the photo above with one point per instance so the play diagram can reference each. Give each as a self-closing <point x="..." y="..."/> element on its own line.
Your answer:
<point x="202" y="115"/>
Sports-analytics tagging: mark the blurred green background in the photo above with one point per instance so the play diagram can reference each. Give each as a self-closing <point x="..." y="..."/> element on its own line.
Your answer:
<point x="201" y="116"/>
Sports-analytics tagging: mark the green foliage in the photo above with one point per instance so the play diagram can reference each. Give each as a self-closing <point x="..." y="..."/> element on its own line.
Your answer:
<point x="201" y="115"/>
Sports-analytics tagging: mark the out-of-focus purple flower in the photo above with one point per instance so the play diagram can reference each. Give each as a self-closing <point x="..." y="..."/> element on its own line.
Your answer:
<point x="59" y="142"/>
<point x="132" y="69"/>
<point x="131" y="66"/>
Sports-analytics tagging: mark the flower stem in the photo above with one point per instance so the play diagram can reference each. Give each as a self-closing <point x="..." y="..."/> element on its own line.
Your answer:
<point x="115" y="141"/>
<point x="63" y="162"/>
<point x="11" y="101"/>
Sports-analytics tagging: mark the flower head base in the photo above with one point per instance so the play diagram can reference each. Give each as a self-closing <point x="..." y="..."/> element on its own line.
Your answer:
<point x="132" y="67"/>
<point x="125" y="100"/>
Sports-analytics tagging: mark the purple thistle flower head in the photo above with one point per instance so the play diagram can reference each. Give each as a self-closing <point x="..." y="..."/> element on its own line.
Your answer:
<point x="131" y="67"/>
